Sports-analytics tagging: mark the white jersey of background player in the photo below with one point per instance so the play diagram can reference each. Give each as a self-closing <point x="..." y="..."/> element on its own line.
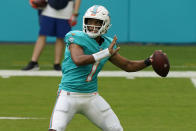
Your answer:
<point x="86" y="53"/>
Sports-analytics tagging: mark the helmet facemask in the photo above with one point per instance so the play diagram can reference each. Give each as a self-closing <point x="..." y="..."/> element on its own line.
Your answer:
<point x="93" y="30"/>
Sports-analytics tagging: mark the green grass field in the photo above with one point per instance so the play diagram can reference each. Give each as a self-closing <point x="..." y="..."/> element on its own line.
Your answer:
<point x="16" y="56"/>
<point x="142" y="104"/>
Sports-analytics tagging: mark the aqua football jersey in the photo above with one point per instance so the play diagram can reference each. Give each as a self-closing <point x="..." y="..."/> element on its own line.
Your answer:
<point x="82" y="79"/>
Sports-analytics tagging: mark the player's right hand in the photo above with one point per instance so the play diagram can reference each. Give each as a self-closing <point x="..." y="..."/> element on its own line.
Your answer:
<point x="111" y="47"/>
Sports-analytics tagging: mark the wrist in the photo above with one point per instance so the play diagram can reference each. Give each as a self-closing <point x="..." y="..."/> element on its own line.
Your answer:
<point x="147" y="62"/>
<point x="75" y="13"/>
<point x="101" y="54"/>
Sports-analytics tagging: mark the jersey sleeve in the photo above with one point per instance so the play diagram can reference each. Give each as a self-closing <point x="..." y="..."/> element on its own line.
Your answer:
<point x="74" y="37"/>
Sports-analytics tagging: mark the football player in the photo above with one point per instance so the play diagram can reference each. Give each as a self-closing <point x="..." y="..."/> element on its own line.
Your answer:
<point x="86" y="53"/>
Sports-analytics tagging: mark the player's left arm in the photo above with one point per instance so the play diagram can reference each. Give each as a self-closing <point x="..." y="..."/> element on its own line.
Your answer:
<point x="125" y="64"/>
<point x="128" y="65"/>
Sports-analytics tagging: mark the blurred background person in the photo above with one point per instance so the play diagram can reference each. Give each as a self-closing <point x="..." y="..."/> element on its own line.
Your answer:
<point x="56" y="19"/>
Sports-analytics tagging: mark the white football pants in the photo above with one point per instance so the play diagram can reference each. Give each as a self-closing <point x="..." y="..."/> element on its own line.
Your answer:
<point x="92" y="105"/>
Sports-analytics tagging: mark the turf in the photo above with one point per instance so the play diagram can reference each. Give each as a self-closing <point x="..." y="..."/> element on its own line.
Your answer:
<point x="16" y="56"/>
<point x="142" y="104"/>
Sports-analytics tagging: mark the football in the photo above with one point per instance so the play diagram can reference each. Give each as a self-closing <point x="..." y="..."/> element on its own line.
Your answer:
<point x="160" y="63"/>
<point x="38" y="4"/>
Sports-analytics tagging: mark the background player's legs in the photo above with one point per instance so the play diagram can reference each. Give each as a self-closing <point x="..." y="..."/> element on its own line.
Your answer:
<point x="39" y="45"/>
<point x="59" y="49"/>
<point x="62" y="28"/>
<point x="101" y="114"/>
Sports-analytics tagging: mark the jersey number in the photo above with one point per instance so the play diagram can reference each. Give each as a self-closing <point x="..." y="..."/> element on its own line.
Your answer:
<point x="93" y="70"/>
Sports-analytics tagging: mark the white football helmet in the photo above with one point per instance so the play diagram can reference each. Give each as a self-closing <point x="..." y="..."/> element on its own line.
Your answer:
<point x="100" y="13"/>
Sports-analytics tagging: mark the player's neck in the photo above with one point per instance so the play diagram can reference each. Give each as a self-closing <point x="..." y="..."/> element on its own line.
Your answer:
<point x="99" y="40"/>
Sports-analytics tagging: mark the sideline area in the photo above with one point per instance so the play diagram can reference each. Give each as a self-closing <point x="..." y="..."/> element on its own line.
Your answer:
<point x="129" y="75"/>
<point x="175" y="74"/>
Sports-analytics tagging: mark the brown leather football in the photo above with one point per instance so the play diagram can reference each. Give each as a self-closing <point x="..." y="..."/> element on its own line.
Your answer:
<point x="160" y="63"/>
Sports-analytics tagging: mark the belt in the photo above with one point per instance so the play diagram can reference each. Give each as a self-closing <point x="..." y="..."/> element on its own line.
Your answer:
<point x="77" y="93"/>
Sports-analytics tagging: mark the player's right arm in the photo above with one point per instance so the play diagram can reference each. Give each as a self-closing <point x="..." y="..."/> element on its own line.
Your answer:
<point x="78" y="56"/>
<point x="77" y="53"/>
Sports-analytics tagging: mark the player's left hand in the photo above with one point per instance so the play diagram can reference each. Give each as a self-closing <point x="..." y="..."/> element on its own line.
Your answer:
<point x="111" y="47"/>
<point x="73" y="20"/>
